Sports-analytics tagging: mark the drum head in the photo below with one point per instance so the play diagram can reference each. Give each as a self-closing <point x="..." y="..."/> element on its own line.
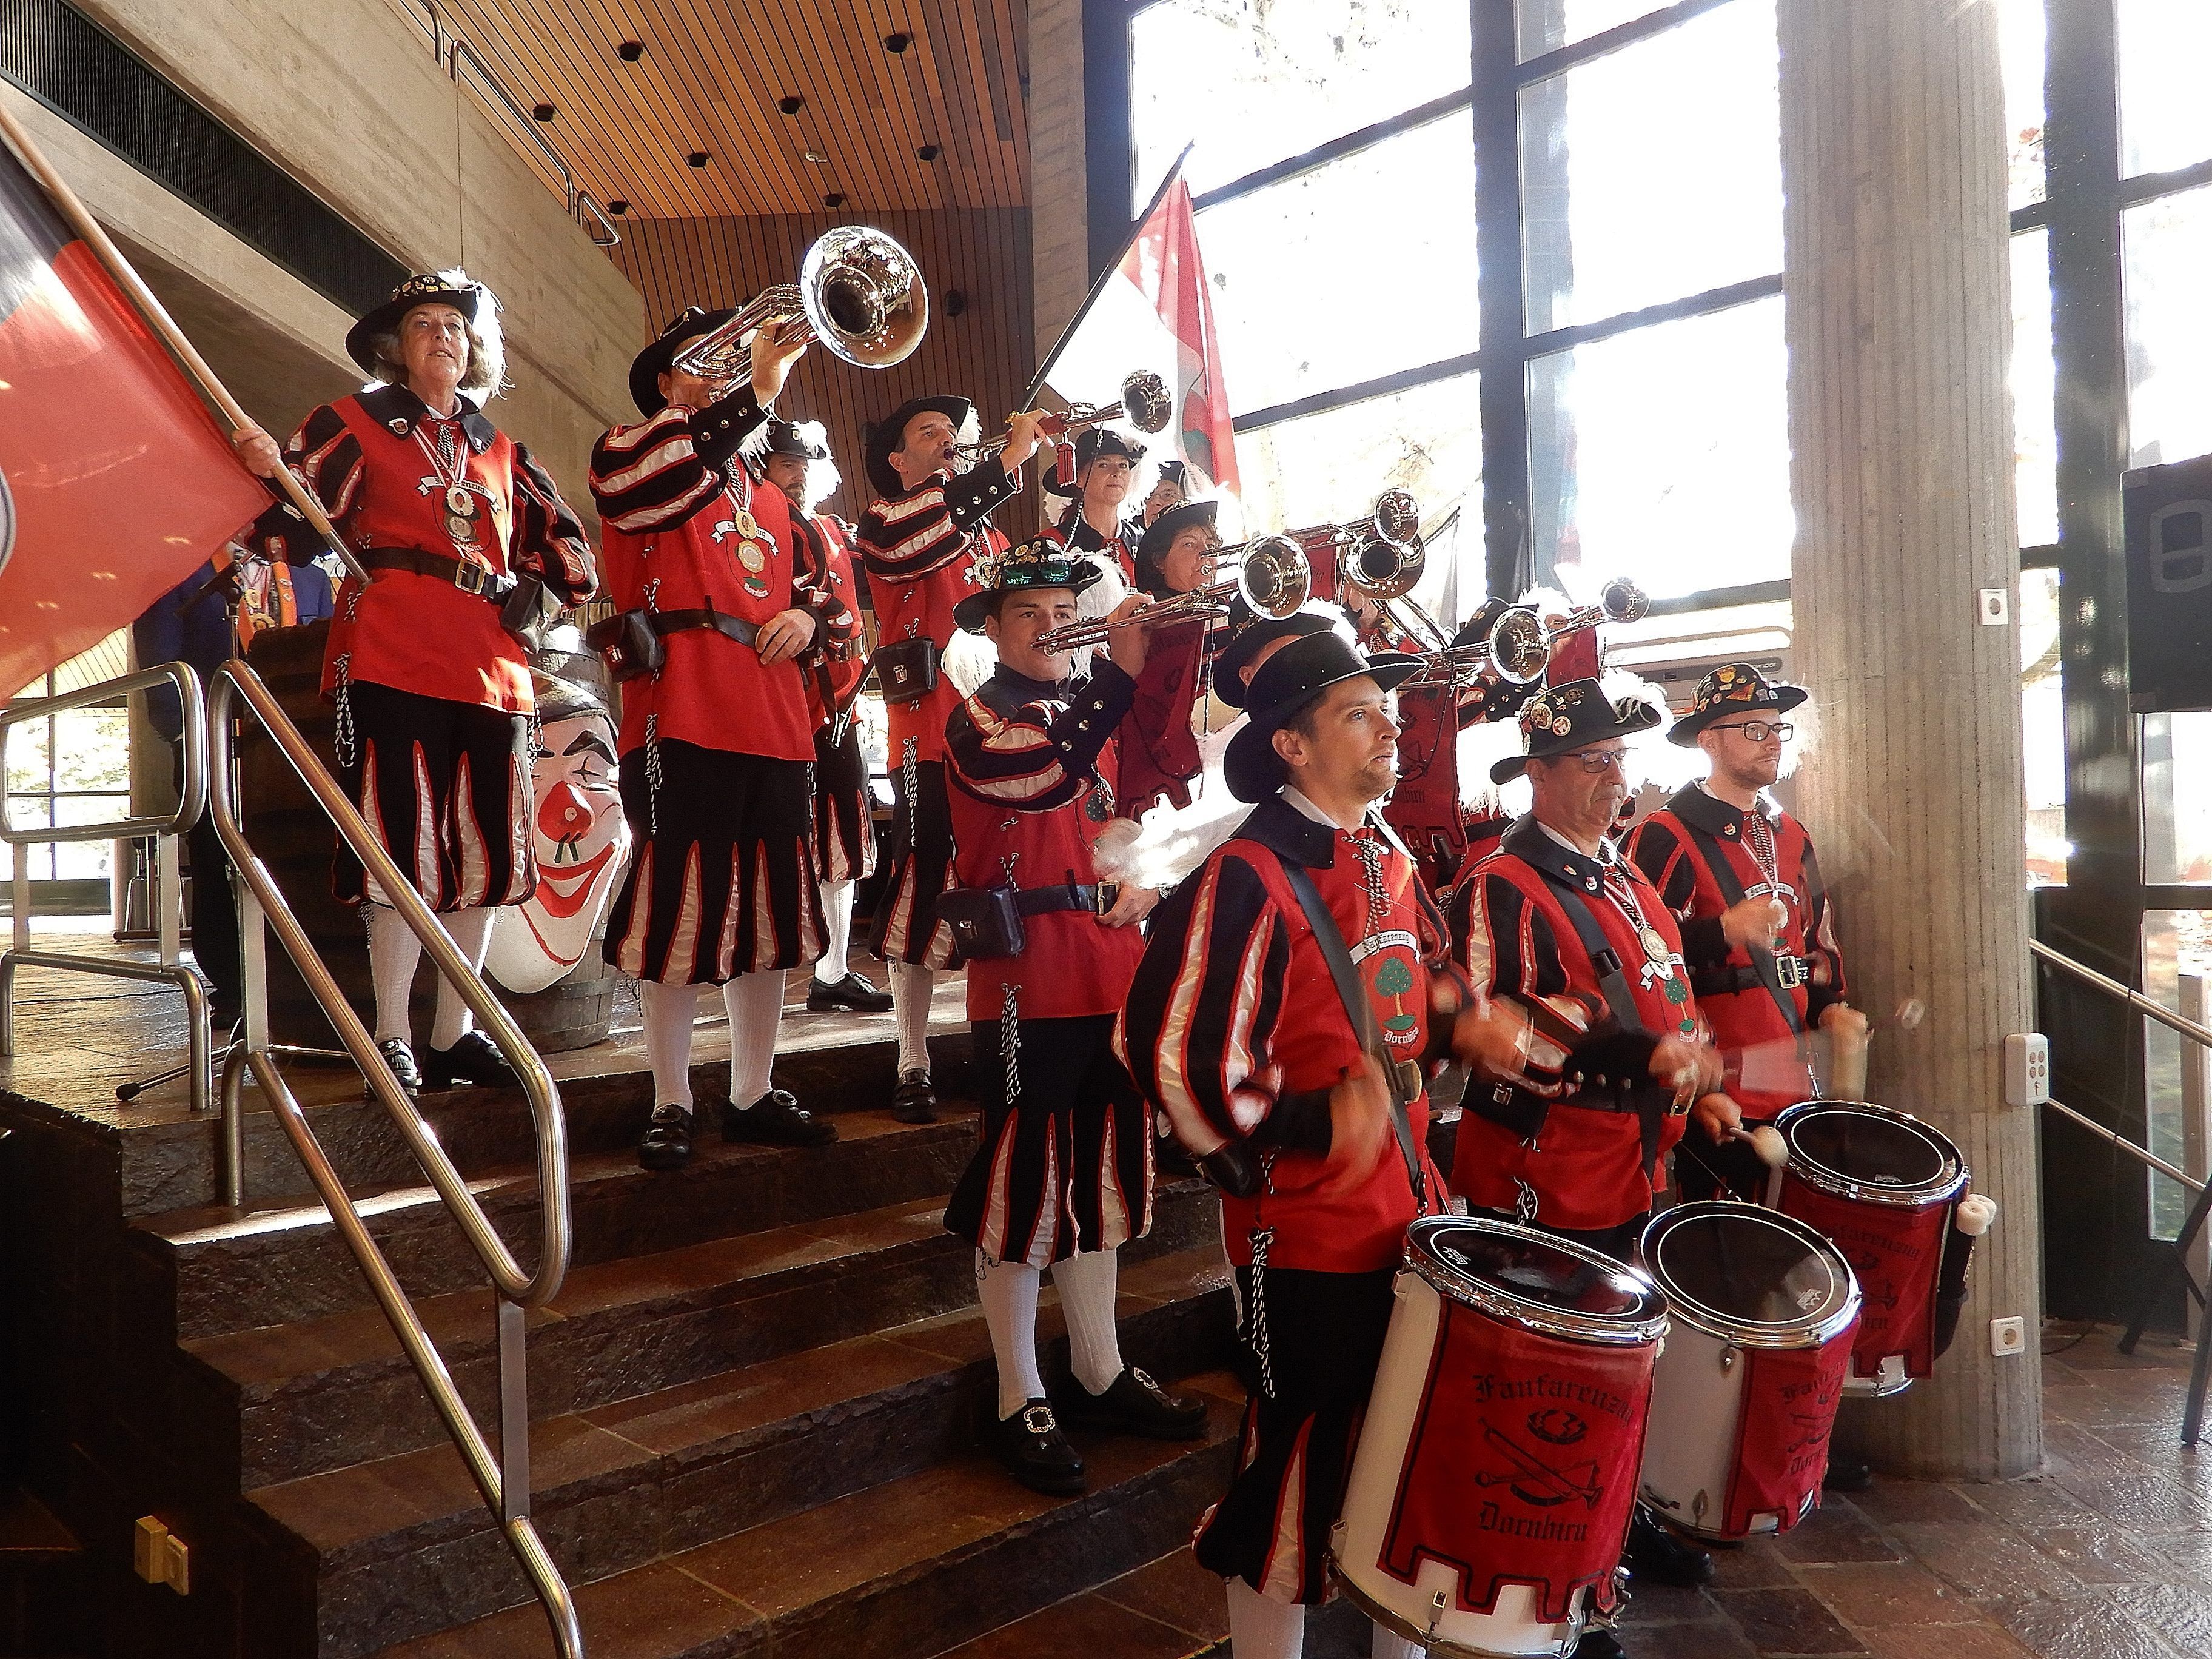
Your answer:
<point x="1759" y="1276"/>
<point x="1541" y="1282"/>
<point x="1886" y="1155"/>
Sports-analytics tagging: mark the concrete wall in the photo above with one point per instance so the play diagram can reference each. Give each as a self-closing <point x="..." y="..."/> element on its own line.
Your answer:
<point x="346" y="96"/>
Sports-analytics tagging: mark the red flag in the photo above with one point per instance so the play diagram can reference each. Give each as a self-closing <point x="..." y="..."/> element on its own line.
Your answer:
<point x="115" y="483"/>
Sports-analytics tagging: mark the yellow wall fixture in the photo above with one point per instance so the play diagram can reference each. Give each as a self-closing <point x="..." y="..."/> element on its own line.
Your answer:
<point x="160" y="1557"/>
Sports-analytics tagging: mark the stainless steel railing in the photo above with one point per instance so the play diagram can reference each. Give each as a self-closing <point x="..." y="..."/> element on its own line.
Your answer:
<point x="504" y="1479"/>
<point x="191" y="796"/>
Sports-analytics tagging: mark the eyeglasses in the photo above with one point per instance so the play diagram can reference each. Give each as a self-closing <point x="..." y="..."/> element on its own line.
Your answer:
<point x="1599" y="760"/>
<point x="1759" y="731"/>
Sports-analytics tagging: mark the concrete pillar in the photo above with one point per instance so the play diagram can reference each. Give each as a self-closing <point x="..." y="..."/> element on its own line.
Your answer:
<point x="1893" y="165"/>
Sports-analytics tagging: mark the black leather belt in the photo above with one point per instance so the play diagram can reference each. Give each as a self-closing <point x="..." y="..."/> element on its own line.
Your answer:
<point x="1790" y="972"/>
<point x="666" y="622"/>
<point x="1066" y="896"/>
<point x="484" y="583"/>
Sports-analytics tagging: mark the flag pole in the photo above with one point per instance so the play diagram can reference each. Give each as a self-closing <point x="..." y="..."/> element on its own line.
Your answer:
<point x="1029" y="398"/>
<point x="157" y="318"/>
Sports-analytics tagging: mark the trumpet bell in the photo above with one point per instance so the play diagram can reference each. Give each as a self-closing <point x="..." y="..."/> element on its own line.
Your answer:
<point x="1397" y="516"/>
<point x="1383" y="568"/>
<point x="1275" y="578"/>
<point x="1519" y="648"/>
<point x="1144" y="400"/>
<point x="864" y="296"/>
<point x="1623" y="601"/>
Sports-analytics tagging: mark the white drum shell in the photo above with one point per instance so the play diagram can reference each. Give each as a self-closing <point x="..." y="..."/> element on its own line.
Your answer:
<point x="1689" y="1451"/>
<point x="1356" y="1542"/>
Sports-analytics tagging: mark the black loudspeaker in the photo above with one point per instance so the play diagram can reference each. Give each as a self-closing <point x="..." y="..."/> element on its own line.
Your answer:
<point x="2169" y="528"/>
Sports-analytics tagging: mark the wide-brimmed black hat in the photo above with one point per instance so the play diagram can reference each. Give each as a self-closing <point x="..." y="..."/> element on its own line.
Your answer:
<point x="1734" y="688"/>
<point x="1561" y="719"/>
<point x="1089" y="444"/>
<point x="787" y="438"/>
<point x="430" y="289"/>
<point x="657" y="359"/>
<point x="1286" y="683"/>
<point x="890" y="433"/>
<point x="1259" y="632"/>
<point x="1175" y="472"/>
<point x="1041" y="562"/>
<point x="1152" y="547"/>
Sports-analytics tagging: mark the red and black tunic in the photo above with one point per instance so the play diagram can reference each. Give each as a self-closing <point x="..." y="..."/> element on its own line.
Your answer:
<point x="1577" y="1152"/>
<point x="1075" y="532"/>
<point x="1765" y="851"/>
<point x="844" y="818"/>
<point x="381" y="464"/>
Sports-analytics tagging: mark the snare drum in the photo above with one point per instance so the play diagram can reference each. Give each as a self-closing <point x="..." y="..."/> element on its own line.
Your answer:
<point x="1882" y="1184"/>
<point x="1496" y="1473"/>
<point x="1746" y="1391"/>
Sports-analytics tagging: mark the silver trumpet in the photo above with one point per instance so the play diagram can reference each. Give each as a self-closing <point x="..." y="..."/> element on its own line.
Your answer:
<point x="859" y="293"/>
<point x="1272" y="577"/>
<point x="1145" y="405"/>
<point x="1382" y="558"/>
<point x="1518" y="646"/>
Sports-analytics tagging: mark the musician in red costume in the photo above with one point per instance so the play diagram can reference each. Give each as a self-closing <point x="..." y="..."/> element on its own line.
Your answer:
<point x="717" y="738"/>
<point x="465" y="538"/>
<point x="1575" y="947"/>
<point x="919" y="542"/>
<point x="798" y="463"/>
<point x="1236" y="1028"/>
<point x="1094" y="523"/>
<point x="1172" y="485"/>
<point x="1062" y="1176"/>
<point x="1161" y="755"/>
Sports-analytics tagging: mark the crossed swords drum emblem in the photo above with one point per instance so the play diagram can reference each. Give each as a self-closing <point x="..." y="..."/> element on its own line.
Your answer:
<point x="1531" y="1479"/>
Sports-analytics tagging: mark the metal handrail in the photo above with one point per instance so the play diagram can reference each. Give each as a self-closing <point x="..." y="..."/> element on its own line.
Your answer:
<point x="2200" y="1035"/>
<point x="191" y="800"/>
<point x="503" y="1480"/>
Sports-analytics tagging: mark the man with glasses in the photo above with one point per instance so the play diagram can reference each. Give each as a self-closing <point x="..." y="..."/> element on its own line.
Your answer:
<point x="1739" y="875"/>
<point x="1569" y="939"/>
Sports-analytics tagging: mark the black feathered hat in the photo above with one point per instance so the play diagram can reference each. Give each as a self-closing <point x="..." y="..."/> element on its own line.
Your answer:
<point x="1285" y="683"/>
<point x="650" y="364"/>
<point x="1089" y="444"/>
<point x="1561" y="719"/>
<point x="1152" y="548"/>
<point x="1246" y="642"/>
<point x="1734" y="688"/>
<point x="430" y="289"/>
<point x="890" y="433"/>
<point x="1041" y="562"/>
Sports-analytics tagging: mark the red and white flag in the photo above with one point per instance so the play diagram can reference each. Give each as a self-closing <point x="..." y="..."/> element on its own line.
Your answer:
<point x="1151" y="311"/>
<point x="115" y="483"/>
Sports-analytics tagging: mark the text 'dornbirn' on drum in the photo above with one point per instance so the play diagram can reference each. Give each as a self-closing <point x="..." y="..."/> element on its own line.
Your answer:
<point x="1745" y="1396"/>
<point x="1882" y="1185"/>
<point x="1496" y="1473"/>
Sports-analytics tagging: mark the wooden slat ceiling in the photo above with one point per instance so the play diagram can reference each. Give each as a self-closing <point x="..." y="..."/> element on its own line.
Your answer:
<point x="711" y="79"/>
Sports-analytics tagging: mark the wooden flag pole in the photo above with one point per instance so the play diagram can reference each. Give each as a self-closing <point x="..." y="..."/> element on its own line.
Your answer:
<point x="157" y="318"/>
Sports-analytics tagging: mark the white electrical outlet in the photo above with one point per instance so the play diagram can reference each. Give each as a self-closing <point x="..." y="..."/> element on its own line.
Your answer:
<point x="2008" y="1336"/>
<point x="2027" y="1069"/>
<point x="1996" y="606"/>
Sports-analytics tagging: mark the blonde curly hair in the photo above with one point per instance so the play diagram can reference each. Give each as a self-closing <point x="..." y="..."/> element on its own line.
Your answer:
<point x="485" y="376"/>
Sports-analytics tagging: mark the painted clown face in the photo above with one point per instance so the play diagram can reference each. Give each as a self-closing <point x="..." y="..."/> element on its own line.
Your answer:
<point x="581" y="840"/>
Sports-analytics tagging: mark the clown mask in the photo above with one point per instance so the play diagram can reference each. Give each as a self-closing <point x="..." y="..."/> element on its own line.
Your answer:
<point x="581" y="840"/>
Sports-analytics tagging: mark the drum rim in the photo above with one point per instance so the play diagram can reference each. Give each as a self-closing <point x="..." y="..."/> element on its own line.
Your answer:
<point x="1750" y="1333"/>
<point x="1580" y="1617"/>
<point x="1942" y="1189"/>
<point x="1470" y="1292"/>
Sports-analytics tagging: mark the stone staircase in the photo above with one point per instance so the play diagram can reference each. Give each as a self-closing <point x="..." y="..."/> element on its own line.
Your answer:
<point x="754" y="1403"/>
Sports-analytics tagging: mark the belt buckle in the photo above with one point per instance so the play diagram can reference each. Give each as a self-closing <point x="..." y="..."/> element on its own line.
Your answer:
<point x="1789" y="971"/>
<point x="471" y="578"/>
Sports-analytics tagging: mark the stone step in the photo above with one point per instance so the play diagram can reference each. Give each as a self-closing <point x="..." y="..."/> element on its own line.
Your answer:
<point x="1171" y="1608"/>
<point x="277" y="1403"/>
<point x="954" y="1550"/>
<point x="169" y="1157"/>
<point x="44" y="1608"/>
<point x="404" y="1546"/>
<point x="225" y="1270"/>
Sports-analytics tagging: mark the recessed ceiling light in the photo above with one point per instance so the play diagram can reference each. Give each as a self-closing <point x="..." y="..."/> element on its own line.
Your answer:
<point x="543" y="113"/>
<point x="897" y="43"/>
<point x="956" y="302"/>
<point x="630" y="51"/>
<point x="619" y="207"/>
<point x="814" y="156"/>
<point x="929" y="152"/>
<point x="792" y="104"/>
<point x="698" y="158"/>
<point x="833" y="199"/>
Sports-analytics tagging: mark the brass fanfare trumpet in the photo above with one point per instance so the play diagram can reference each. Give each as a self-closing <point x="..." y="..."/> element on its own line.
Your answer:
<point x="859" y="293"/>
<point x="1145" y="405"/>
<point x="1272" y="577"/>
<point x="1518" y="646"/>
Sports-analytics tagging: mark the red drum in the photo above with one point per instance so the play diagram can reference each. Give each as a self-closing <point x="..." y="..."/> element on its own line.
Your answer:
<point x="1882" y="1184"/>
<point x="1746" y="1391"/>
<point x="1491" y="1494"/>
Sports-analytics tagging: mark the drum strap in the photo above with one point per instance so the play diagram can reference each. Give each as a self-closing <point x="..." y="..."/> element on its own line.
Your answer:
<point x="1361" y="1013"/>
<point x="1762" y="959"/>
<point x="1605" y="962"/>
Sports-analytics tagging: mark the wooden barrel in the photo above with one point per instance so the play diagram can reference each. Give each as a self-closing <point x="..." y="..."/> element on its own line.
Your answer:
<point x="296" y="841"/>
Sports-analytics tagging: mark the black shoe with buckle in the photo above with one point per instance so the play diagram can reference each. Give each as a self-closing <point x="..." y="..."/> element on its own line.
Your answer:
<point x="777" y="1119"/>
<point x="915" y="1101"/>
<point x="1035" y="1453"/>
<point x="1847" y="1474"/>
<point x="856" y="991"/>
<point x="667" y="1143"/>
<point x="1656" y="1556"/>
<point x="473" y="1059"/>
<point x="401" y="1059"/>
<point x="1134" y="1404"/>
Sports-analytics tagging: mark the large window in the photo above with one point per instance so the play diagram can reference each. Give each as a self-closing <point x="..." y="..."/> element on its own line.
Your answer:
<point x="71" y="769"/>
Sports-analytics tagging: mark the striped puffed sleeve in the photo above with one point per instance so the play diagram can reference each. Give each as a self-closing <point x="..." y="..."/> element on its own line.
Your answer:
<point x="325" y="457"/>
<point x="905" y="538"/>
<point x="1820" y="942"/>
<point x="1041" y="755"/>
<point x="1660" y="852"/>
<point x="548" y="536"/>
<point x="1197" y="1031"/>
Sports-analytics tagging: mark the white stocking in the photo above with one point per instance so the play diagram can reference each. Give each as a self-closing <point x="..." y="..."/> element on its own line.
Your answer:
<point x="1260" y="1627"/>
<point x="1085" y="1283"/>
<point x="393" y="952"/>
<point x="471" y="932"/>
<point x="1009" y="1293"/>
<point x="670" y="1011"/>
<point x="910" y="988"/>
<point x="755" y="1003"/>
<point x="835" y="961"/>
